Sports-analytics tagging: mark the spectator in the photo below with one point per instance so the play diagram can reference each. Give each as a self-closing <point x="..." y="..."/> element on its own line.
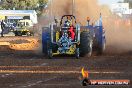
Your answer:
<point x="2" y="28"/>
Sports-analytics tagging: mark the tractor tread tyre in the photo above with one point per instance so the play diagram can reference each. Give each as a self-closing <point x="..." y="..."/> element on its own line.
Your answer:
<point x="45" y="35"/>
<point x="102" y="48"/>
<point x="85" y="44"/>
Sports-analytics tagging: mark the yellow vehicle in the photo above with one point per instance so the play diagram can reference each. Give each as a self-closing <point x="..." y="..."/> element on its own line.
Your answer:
<point x="2" y="17"/>
<point x="25" y="23"/>
<point x="22" y="28"/>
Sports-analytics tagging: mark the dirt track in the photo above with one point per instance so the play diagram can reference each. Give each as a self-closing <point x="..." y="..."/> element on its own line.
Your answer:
<point x="31" y="69"/>
<point x="36" y="71"/>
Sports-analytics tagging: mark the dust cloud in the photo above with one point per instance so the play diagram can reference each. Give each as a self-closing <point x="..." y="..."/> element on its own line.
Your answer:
<point x="118" y="34"/>
<point x="82" y="9"/>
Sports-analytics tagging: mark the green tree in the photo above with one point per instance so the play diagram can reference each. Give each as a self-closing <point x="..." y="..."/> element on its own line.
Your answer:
<point x="23" y="4"/>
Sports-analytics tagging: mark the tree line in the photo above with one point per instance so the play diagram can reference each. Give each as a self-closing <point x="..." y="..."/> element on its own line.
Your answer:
<point x="37" y="5"/>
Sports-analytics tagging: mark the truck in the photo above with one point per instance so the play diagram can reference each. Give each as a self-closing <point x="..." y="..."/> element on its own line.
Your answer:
<point x="22" y="28"/>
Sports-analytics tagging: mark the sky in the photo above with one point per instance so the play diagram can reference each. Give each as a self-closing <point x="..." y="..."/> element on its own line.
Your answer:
<point x="109" y="2"/>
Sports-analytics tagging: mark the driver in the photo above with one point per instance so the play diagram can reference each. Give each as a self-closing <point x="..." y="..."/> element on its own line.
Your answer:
<point x="71" y="29"/>
<point x="68" y="22"/>
<point x="72" y="33"/>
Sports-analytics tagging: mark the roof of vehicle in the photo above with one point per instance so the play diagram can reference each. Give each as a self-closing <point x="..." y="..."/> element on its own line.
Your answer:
<point x="25" y="20"/>
<point x="17" y="11"/>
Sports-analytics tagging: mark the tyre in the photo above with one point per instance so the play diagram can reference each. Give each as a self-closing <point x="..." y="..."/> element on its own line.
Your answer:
<point x="77" y="53"/>
<point x="86" y="44"/>
<point x="31" y="33"/>
<point x="16" y="33"/>
<point x="28" y="33"/>
<point x="49" y="49"/>
<point x="102" y="47"/>
<point x="47" y="46"/>
<point x="19" y="33"/>
<point x="50" y="53"/>
<point x="45" y="38"/>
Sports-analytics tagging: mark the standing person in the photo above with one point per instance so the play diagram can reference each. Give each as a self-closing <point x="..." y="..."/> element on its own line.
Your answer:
<point x="2" y="28"/>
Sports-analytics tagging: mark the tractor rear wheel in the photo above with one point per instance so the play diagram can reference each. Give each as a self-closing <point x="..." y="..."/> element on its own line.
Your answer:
<point x="102" y="47"/>
<point x="86" y="44"/>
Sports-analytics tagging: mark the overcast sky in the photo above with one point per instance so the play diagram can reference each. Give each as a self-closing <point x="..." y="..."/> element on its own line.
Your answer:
<point x="108" y="1"/>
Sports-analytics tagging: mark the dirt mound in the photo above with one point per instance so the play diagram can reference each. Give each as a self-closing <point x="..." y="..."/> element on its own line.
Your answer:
<point x="31" y="45"/>
<point x="18" y="43"/>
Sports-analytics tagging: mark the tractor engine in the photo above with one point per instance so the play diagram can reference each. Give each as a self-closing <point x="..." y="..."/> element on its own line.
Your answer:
<point x="65" y="42"/>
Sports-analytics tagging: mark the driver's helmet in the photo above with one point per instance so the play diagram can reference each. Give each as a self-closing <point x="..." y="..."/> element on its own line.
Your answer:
<point x="68" y="22"/>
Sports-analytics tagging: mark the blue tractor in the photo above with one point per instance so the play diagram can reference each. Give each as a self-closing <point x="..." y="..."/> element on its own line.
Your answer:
<point x="72" y="39"/>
